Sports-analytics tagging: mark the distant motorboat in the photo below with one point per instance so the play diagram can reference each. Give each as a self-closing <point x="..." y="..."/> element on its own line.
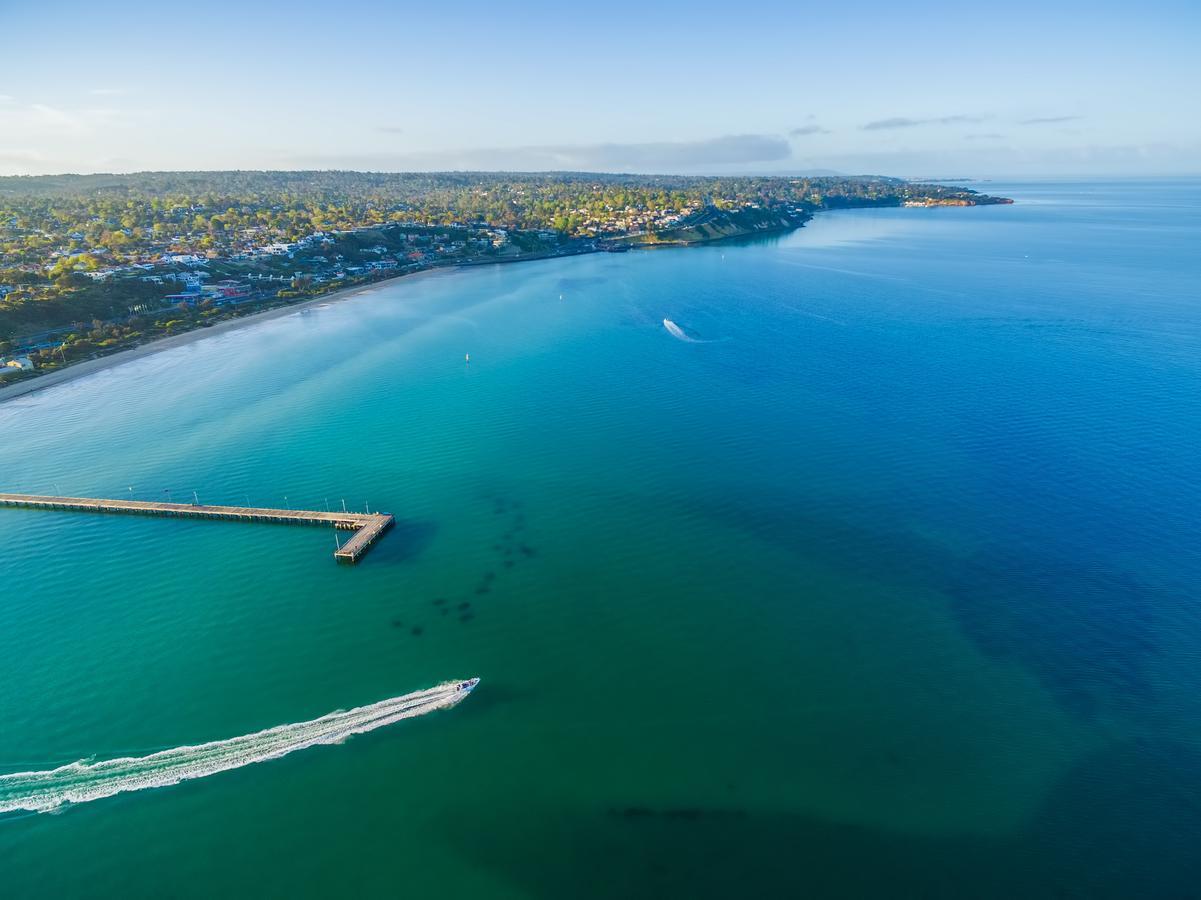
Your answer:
<point x="677" y="332"/>
<point x="681" y="335"/>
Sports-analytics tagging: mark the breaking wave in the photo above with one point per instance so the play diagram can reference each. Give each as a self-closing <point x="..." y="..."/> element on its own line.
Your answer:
<point x="79" y="782"/>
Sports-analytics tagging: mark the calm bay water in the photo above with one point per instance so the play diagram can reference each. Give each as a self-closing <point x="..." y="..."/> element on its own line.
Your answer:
<point x="886" y="583"/>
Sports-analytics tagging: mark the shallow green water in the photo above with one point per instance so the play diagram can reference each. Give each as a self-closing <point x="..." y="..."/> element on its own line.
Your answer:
<point x="886" y="583"/>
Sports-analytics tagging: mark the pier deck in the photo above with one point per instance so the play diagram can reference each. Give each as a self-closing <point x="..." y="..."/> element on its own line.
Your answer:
<point x="367" y="527"/>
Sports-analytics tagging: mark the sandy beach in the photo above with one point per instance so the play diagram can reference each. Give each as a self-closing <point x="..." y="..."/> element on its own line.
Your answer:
<point x="92" y="366"/>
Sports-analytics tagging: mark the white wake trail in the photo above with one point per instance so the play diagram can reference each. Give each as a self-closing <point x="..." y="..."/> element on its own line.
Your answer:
<point x="677" y="332"/>
<point x="79" y="782"/>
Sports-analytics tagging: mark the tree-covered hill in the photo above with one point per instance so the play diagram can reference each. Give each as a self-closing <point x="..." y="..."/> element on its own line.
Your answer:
<point x="93" y="253"/>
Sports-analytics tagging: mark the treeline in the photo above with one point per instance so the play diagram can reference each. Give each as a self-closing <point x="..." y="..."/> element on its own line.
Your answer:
<point x="54" y="230"/>
<point x="122" y="213"/>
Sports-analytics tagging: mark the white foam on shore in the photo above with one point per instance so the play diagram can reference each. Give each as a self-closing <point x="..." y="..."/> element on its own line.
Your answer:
<point x="79" y="782"/>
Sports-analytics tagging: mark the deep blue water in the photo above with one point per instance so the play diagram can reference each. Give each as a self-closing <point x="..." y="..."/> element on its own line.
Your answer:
<point x="884" y="584"/>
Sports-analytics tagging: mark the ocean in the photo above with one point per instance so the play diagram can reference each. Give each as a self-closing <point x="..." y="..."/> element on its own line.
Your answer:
<point x="875" y="574"/>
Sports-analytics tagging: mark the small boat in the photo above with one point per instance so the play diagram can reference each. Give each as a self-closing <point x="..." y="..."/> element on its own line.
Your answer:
<point x="677" y="332"/>
<point x="466" y="687"/>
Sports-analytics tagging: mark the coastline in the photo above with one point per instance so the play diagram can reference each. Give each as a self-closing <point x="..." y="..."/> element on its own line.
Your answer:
<point x="99" y="364"/>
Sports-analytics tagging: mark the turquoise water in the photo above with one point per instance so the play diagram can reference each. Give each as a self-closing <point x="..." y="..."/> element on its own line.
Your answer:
<point x="886" y="583"/>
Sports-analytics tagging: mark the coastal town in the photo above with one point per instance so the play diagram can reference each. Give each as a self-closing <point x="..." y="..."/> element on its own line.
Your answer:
<point x="178" y="291"/>
<point x="90" y="265"/>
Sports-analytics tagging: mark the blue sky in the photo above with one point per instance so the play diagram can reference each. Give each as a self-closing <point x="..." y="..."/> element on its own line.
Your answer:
<point x="1049" y="88"/>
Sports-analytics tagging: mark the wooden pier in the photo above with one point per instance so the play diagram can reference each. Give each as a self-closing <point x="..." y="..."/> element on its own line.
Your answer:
<point x="367" y="527"/>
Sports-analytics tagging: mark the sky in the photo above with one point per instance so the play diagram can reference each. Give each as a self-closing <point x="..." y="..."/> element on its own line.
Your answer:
<point x="1050" y="88"/>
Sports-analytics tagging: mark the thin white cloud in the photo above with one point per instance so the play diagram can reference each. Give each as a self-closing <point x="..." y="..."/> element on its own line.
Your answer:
<point x="660" y="156"/>
<point x="107" y="92"/>
<point x="41" y="120"/>
<point x="902" y="122"/>
<point x="51" y="117"/>
<point x="8" y="155"/>
<point x="1000" y="159"/>
<point x="1049" y="120"/>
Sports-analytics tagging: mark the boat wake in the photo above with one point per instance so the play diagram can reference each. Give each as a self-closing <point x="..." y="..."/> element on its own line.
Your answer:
<point x="680" y="334"/>
<point x="85" y="780"/>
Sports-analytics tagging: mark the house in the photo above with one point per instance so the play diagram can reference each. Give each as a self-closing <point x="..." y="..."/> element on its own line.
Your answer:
<point x="20" y="363"/>
<point x="191" y="298"/>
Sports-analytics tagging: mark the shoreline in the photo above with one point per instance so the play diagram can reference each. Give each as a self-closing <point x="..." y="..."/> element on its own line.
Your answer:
<point x="99" y="364"/>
